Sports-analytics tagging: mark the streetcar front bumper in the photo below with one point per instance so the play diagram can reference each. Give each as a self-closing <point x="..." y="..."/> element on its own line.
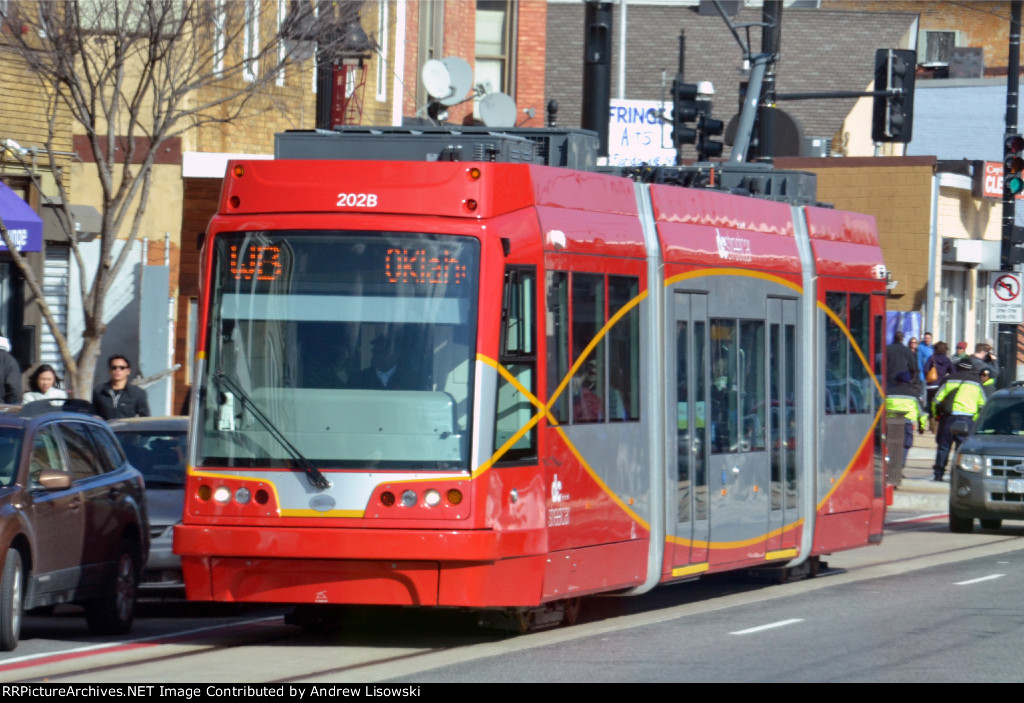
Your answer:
<point x="472" y="568"/>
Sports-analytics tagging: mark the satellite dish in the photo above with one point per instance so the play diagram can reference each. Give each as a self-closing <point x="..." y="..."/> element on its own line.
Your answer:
<point x="436" y="79"/>
<point x="460" y="80"/>
<point x="498" y="110"/>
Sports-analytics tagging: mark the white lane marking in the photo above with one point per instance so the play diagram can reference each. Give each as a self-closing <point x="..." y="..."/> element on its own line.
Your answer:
<point x="983" y="578"/>
<point x="781" y="623"/>
<point x="917" y="518"/>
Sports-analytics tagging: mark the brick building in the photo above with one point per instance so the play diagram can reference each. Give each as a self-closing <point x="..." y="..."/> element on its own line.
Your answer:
<point x="503" y="40"/>
<point x="821" y="50"/>
<point x="25" y="169"/>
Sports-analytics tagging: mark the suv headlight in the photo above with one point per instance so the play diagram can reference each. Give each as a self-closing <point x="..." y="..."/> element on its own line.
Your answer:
<point x="971" y="462"/>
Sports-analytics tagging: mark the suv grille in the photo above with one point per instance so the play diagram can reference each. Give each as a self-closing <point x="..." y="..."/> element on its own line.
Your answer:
<point x="1007" y="467"/>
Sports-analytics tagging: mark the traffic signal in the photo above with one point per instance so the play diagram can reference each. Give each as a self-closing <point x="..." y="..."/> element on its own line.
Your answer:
<point x="1013" y="164"/>
<point x="1016" y="246"/>
<point x="684" y="111"/>
<point x="707" y="126"/>
<point x="893" y="117"/>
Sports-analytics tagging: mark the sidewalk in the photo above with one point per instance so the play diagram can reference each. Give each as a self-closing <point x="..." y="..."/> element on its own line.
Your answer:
<point x="918" y="491"/>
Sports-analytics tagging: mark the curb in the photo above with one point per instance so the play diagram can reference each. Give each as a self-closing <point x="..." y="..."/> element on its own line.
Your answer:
<point x="904" y="500"/>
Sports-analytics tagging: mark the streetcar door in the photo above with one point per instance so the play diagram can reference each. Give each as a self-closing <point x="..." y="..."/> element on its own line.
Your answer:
<point x="782" y="424"/>
<point x="737" y="418"/>
<point x="691" y="428"/>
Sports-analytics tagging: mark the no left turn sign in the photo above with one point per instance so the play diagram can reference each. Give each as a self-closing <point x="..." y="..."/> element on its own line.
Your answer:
<point x="1004" y="300"/>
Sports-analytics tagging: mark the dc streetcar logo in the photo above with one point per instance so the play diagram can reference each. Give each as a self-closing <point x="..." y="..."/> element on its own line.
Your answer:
<point x="734" y="248"/>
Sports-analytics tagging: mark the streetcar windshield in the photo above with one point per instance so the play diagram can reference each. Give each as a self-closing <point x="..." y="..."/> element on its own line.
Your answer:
<point x="341" y="349"/>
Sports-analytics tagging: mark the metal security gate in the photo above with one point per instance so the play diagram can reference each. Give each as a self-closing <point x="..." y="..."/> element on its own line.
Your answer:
<point x="56" y="275"/>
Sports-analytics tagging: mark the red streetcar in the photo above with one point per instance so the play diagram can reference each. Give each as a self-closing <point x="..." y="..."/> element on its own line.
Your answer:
<point x="506" y="385"/>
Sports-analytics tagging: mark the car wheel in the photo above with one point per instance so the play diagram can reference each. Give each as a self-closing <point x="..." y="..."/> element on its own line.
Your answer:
<point x="992" y="524"/>
<point x="960" y="525"/>
<point x="113" y="613"/>
<point x="11" y="594"/>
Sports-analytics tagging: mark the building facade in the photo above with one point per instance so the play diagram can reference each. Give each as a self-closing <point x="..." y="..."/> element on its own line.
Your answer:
<point x="503" y="41"/>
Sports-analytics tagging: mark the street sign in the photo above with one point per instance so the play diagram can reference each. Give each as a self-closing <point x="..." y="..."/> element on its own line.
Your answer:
<point x="1004" y="298"/>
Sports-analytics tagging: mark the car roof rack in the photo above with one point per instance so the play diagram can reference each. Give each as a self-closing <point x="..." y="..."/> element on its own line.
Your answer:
<point x="56" y="405"/>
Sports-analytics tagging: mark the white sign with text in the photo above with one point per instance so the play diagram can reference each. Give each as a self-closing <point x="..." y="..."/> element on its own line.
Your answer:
<point x="637" y="134"/>
<point x="1004" y="298"/>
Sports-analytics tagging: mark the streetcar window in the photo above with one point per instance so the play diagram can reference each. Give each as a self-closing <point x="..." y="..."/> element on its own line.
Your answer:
<point x="860" y="368"/>
<point x="588" y="316"/>
<point x="558" y="341"/>
<point x="623" y="350"/>
<point x="605" y="382"/>
<point x="700" y="365"/>
<point x="849" y="386"/>
<point x="725" y="433"/>
<point x="777" y="416"/>
<point x="738" y="385"/>
<point x="343" y="349"/>
<point x="836" y="386"/>
<point x="752" y="355"/>
<point x="684" y="456"/>
<point x="517" y="355"/>
<point x="790" y="417"/>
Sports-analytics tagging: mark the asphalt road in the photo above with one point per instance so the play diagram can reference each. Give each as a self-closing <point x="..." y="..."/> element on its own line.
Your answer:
<point x="926" y="605"/>
<point x="956" y="622"/>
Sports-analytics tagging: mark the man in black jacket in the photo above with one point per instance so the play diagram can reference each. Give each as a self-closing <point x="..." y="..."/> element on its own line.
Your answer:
<point x="116" y="398"/>
<point x="899" y="358"/>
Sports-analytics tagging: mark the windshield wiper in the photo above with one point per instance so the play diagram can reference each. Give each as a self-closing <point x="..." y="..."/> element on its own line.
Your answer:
<point x="312" y="473"/>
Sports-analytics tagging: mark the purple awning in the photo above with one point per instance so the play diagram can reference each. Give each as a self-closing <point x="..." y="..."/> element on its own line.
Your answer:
<point x="21" y="221"/>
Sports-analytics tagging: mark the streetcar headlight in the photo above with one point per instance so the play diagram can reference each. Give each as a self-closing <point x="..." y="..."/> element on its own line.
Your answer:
<point x="971" y="462"/>
<point x="431" y="498"/>
<point x="222" y="494"/>
<point x="242" y="495"/>
<point x="408" y="499"/>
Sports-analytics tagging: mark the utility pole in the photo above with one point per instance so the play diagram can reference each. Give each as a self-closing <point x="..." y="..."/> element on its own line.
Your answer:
<point x="1012" y="98"/>
<point x="771" y="37"/>
<point x="1006" y="340"/>
<point x="597" y="70"/>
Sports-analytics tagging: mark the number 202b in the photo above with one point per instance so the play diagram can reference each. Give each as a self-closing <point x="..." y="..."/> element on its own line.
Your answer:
<point x="357" y="200"/>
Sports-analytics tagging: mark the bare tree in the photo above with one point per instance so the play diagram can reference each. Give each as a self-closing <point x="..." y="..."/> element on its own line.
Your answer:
<point x="133" y="74"/>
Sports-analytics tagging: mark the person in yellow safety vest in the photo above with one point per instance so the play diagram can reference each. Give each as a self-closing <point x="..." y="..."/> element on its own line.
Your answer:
<point x="904" y="397"/>
<point x="966" y="399"/>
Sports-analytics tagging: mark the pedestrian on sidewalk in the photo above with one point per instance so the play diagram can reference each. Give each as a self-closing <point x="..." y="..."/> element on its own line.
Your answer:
<point x="10" y="375"/>
<point x="924" y="352"/>
<point x="898" y="358"/>
<point x="937" y="369"/>
<point x="117" y="398"/>
<point x="960" y="398"/>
